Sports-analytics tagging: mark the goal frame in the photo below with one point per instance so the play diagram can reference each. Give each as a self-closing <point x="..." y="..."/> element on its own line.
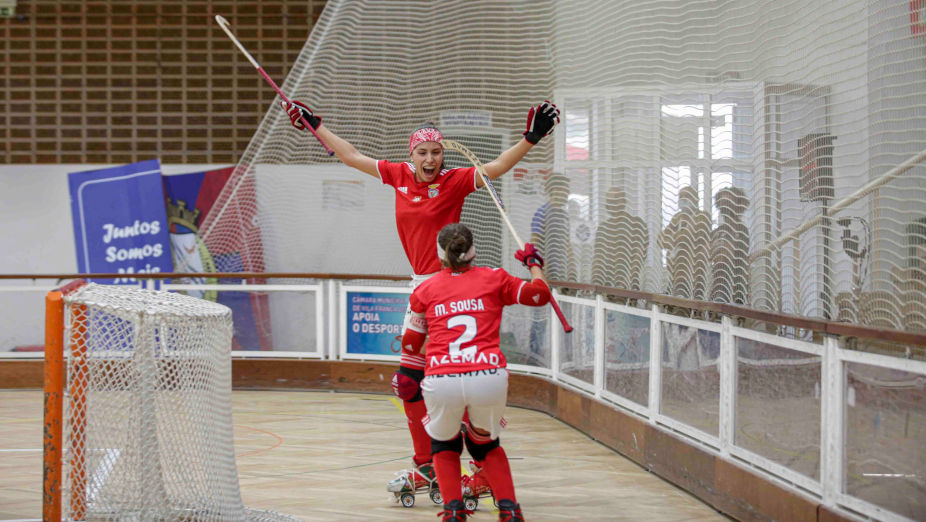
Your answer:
<point x="54" y="391"/>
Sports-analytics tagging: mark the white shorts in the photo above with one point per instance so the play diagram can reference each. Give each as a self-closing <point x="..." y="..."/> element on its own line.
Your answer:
<point x="483" y="392"/>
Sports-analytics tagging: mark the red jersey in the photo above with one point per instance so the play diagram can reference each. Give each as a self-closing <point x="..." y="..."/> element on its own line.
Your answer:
<point x="422" y="209"/>
<point x="463" y="313"/>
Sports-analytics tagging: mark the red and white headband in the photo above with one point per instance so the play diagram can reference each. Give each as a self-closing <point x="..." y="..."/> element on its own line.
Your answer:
<point x="424" y="135"/>
<point x="469" y="255"/>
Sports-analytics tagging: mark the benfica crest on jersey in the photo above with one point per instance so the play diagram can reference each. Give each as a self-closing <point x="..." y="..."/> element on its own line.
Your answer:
<point x="432" y="190"/>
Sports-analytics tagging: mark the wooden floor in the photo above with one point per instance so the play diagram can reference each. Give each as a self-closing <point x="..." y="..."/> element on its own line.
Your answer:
<point x="327" y="456"/>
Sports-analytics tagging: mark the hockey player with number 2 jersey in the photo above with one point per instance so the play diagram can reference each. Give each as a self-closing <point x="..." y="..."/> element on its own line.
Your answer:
<point x="459" y="309"/>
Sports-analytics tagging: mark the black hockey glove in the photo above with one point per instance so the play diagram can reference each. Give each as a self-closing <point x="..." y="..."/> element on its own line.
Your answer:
<point x="540" y="121"/>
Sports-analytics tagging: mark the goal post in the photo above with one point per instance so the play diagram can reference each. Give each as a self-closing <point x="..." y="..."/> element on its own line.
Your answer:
<point x="54" y="401"/>
<point x="138" y="415"/>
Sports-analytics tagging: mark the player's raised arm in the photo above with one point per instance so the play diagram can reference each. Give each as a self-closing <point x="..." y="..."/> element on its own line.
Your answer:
<point x="342" y="148"/>
<point x="537" y="292"/>
<point x="540" y="122"/>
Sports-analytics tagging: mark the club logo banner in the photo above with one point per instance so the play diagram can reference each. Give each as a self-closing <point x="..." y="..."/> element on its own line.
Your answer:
<point x="120" y="225"/>
<point x="190" y="199"/>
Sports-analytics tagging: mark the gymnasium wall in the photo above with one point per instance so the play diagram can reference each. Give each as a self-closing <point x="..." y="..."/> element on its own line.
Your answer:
<point x="38" y="238"/>
<point x="86" y="85"/>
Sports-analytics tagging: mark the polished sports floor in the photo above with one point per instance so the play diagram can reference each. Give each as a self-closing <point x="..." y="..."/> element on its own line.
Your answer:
<point x="327" y="456"/>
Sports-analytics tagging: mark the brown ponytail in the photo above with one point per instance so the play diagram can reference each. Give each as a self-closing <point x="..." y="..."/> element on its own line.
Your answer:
<point x="456" y="240"/>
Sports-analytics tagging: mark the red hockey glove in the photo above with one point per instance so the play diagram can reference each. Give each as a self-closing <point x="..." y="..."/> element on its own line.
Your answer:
<point x="298" y="111"/>
<point x="529" y="256"/>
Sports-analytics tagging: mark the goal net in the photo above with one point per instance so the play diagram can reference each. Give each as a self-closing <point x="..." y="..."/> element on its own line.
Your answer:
<point x="767" y="153"/>
<point x="138" y="413"/>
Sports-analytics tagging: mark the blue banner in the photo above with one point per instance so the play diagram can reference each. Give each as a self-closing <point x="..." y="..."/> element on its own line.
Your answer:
<point x="374" y="320"/>
<point x="120" y="225"/>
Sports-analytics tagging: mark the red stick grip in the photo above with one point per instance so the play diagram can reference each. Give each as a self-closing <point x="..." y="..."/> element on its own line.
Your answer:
<point x="277" y="89"/>
<point x="559" y="314"/>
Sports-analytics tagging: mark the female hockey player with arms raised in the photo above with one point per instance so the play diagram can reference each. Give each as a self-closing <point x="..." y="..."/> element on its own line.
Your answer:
<point x="460" y="310"/>
<point x="427" y="197"/>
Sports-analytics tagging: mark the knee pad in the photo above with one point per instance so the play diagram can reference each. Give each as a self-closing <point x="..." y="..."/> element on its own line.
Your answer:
<point x="406" y="384"/>
<point x="479" y="451"/>
<point x="455" y="445"/>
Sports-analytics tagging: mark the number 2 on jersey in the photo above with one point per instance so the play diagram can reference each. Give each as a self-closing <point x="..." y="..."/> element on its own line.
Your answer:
<point x="469" y="322"/>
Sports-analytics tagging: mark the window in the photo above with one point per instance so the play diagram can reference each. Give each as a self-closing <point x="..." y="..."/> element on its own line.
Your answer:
<point x="653" y="144"/>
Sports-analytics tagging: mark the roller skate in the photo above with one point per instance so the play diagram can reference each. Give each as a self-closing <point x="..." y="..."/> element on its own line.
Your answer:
<point x="508" y="511"/>
<point x="454" y="512"/>
<point x="408" y="482"/>
<point x="475" y="486"/>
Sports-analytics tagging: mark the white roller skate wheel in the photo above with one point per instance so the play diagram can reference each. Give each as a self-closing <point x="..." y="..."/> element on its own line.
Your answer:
<point x="408" y="500"/>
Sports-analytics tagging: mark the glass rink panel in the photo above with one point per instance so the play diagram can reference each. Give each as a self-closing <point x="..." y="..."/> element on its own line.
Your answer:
<point x="22" y="327"/>
<point x="626" y="353"/>
<point x="269" y="321"/>
<point x="525" y="335"/>
<point x="885" y="429"/>
<point x="293" y="317"/>
<point x="577" y="358"/>
<point x="778" y="405"/>
<point x="691" y="377"/>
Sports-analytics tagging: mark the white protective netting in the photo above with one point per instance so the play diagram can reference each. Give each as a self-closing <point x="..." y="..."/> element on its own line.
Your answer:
<point x="148" y="420"/>
<point x="795" y="130"/>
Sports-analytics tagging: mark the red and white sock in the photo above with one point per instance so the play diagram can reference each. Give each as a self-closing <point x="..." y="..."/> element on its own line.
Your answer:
<point x="447" y="467"/>
<point x="496" y="467"/>
<point x="421" y="441"/>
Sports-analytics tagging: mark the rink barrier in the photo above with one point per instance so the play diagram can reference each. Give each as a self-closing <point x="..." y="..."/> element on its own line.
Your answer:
<point x="708" y="462"/>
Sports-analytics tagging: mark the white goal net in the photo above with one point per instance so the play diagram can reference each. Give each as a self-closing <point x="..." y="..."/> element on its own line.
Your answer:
<point x="761" y="152"/>
<point x="147" y="417"/>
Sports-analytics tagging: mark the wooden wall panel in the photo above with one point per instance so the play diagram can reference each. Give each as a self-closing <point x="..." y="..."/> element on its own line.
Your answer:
<point x="119" y="81"/>
<point x="26" y="374"/>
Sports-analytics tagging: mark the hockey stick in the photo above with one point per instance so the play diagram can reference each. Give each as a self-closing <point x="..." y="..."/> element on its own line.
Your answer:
<point x="459" y="147"/>
<point x="223" y="23"/>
